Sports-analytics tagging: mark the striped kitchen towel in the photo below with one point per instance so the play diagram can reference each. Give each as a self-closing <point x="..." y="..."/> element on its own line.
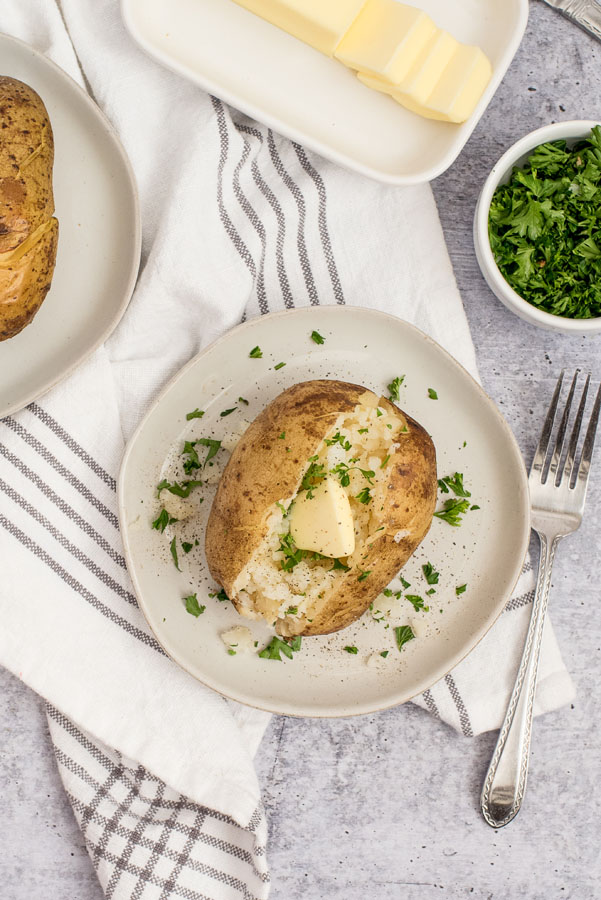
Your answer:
<point x="237" y="222"/>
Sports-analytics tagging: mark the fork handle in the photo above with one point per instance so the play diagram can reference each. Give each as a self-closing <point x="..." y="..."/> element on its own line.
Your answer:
<point x="505" y="782"/>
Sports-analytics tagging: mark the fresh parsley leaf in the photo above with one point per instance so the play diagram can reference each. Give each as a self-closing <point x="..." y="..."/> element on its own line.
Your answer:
<point x="460" y="589"/>
<point x="186" y="546"/>
<point x="475" y="506"/>
<point x="275" y="647"/>
<point x="417" y="602"/>
<point x="195" y="414"/>
<point x="453" y="511"/>
<point x="292" y="554"/>
<point x="405" y="584"/>
<point x="161" y="486"/>
<point x="384" y="653"/>
<point x="227" y="412"/>
<point x="291" y="611"/>
<point x="364" y="496"/>
<point x="338" y="564"/>
<point x="162" y="520"/>
<point x="220" y="595"/>
<point x="432" y="394"/>
<point x="403" y="634"/>
<point x="312" y="477"/>
<point x="339" y="439"/>
<point x="256" y="353"/>
<point x="393" y="387"/>
<point x="315" y="336"/>
<point x="385" y="461"/>
<point x="242" y="400"/>
<point x="364" y="575"/>
<point x="279" y="366"/>
<point x="193" y="606"/>
<point x="295" y="642"/>
<point x="430" y="573"/>
<point x="180" y="490"/>
<point x="212" y="445"/>
<point x="352" y="650"/>
<point x="173" y="549"/>
<point x="455" y="483"/>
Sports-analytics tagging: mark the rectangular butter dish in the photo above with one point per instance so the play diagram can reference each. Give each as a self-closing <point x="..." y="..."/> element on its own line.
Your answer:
<point x="316" y="101"/>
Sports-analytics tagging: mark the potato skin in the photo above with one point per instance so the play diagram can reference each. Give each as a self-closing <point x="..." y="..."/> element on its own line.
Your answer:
<point x="261" y="471"/>
<point x="28" y="230"/>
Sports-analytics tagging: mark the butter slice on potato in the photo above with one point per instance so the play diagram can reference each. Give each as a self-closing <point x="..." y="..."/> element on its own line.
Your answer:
<point x="323" y="522"/>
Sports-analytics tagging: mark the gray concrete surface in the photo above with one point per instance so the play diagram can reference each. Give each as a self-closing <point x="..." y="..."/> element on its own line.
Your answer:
<point x="387" y="806"/>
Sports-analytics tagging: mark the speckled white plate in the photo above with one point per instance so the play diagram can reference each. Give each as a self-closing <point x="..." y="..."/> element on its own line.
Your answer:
<point x="312" y="99"/>
<point x="486" y="552"/>
<point x="99" y="235"/>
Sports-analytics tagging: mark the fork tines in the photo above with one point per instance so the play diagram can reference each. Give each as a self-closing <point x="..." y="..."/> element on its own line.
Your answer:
<point x="564" y="468"/>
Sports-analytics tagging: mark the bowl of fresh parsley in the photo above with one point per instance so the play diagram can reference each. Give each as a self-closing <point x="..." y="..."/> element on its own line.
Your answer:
<point x="537" y="228"/>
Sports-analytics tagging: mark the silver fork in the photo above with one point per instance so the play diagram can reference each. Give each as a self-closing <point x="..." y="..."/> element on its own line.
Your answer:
<point x="557" y="495"/>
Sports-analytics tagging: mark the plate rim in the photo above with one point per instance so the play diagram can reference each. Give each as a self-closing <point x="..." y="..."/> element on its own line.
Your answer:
<point x="330" y="712"/>
<point x="112" y="133"/>
<point x="317" y="146"/>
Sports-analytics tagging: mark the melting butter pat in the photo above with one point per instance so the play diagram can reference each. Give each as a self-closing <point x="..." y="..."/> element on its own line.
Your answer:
<point x="448" y="92"/>
<point x="385" y="39"/>
<point x="323" y="522"/>
<point x="320" y="23"/>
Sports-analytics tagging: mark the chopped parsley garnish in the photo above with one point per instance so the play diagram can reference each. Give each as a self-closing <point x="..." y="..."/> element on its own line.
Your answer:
<point x="279" y="366"/>
<point x="315" y="336"/>
<point x="430" y="591"/>
<point x="276" y="646"/>
<point x="475" y="506"/>
<point x="453" y="510"/>
<point x="292" y="554"/>
<point x="193" y="606"/>
<point x="403" y="634"/>
<point x="282" y="507"/>
<point x="393" y="387"/>
<point x="242" y="400"/>
<point x="362" y="431"/>
<point x="228" y="412"/>
<point x="256" y="353"/>
<point x="417" y="602"/>
<point x="212" y="445"/>
<point x="162" y="520"/>
<point x="338" y="564"/>
<point x="195" y="414"/>
<point x="432" y="394"/>
<point x="186" y="546"/>
<point x="352" y="650"/>
<point x="231" y="651"/>
<point x="313" y="476"/>
<point x="430" y="573"/>
<point x="220" y="595"/>
<point x="384" y="461"/>
<point x="405" y="584"/>
<point x="342" y="470"/>
<point x="292" y="611"/>
<point x="282" y="436"/>
<point x="180" y="490"/>
<point x="455" y="483"/>
<point x="193" y="461"/>
<point x="544" y="230"/>
<point x="460" y="589"/>
<point x="364" y="496"/>
<point x="364" y="575"/>
<point x="384" y="653"/>
<point x="339" y="439"/>
<point x="379" y="412"/>
<point x="173" y="549"/>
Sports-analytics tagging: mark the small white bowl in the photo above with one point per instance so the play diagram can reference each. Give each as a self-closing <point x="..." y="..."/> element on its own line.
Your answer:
<point x="500" y="174"/>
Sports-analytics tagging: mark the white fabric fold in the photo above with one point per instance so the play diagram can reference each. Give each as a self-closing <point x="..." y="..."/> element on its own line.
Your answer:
<point x="236" y="222"/>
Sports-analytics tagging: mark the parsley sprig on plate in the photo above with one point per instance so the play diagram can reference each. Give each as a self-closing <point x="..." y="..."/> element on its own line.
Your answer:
<point x="544" y="228"/>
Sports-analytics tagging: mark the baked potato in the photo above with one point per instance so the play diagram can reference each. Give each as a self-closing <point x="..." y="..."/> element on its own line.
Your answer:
<point x="318" y="436"/>
<point x="28" y="228"/>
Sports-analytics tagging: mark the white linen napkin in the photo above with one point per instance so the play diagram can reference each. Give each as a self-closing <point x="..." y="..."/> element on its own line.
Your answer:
<point x="237" y="221"/>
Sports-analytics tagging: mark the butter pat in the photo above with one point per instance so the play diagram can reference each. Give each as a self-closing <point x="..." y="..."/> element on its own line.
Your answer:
<point x="320" y="23"/>
<point x="454" y="95"/>
<point x="323" y="522"/>
<point x="385" y="39"/>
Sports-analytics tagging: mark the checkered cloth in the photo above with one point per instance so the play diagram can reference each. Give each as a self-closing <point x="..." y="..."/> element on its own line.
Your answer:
<point x="237" y="222"/>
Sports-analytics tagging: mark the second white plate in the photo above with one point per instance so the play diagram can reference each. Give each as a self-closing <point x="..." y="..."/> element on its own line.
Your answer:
<point x="316" y="101"/>
<point x="485" y="553"/>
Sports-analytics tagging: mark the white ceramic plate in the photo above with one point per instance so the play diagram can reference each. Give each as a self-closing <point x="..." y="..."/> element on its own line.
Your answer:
<point x="316" y="101"/>
<point x="99" y="235"/>
<point x="486" y="552"/>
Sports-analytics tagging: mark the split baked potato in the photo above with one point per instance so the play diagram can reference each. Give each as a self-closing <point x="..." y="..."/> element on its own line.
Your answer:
<point x="311" y="435"/>
<point x="28" y="228"/>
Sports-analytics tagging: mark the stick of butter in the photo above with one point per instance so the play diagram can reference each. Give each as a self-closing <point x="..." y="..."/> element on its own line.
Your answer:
<point x="320" y="23"/>
<point x="385" y="39"/>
